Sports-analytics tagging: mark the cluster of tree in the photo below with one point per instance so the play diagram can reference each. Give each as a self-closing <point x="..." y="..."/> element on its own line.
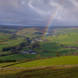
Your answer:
<point x="14" y="49"/>
<point x="3" y="61"/>
<point x="33" y="45"/>
<point x="27" y="43"/>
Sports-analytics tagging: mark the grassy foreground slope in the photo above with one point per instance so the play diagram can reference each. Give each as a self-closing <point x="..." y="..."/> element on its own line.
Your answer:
<point x="47" y="72"/>
<point x="50" y="73"/>
<point x="44" y="73"/>
<point x="64" y="60"/>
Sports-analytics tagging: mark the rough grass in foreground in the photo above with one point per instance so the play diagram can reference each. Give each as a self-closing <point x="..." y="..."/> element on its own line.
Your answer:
<point x="43" y="73"/>
<point x="50" y="73"/>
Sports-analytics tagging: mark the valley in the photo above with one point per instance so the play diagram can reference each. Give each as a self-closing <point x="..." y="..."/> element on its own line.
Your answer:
<point x="29" y="52"/>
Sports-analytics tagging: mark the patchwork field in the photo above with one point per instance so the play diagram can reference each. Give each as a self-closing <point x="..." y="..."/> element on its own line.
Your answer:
<point x="27" y="52"/>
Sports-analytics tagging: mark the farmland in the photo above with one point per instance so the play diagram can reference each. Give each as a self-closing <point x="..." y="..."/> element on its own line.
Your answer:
<point x="24" y="49"/>
<point x="66" y="60"/>
<point x="62" y="42"/>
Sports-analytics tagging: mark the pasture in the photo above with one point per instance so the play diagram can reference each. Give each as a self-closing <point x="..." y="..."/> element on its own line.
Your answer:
<point x="64" y="60"/>
<point x="56" y="57"/>
<point x="49" y="47"/>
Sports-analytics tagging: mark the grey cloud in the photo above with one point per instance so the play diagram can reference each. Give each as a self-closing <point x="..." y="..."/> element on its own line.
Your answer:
<point x="38" y="12"/>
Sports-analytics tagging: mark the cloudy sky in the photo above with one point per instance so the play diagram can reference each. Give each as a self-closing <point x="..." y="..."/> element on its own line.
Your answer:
<point x="39" y="12"/>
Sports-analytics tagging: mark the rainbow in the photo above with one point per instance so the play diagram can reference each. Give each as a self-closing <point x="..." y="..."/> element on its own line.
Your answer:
<point x="52" y="17"/>
<point x="50" y="22"/>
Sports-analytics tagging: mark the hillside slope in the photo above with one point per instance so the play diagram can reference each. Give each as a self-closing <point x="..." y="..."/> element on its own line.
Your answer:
<point x="60" y="67"/>
<point x="64" y="60"/>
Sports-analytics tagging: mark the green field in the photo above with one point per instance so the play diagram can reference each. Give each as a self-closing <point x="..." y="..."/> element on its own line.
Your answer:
<point x="65" y="60"/>
<point x="57" y="54"/>
<point x="17" y="57"/>
<point x="49" y="48"/>
<point x="68" y="37"/>
<point x="6" y="64"/>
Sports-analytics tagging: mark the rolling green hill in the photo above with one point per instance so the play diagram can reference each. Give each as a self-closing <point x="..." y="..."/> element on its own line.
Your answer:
<point x="55" y="53"/>
<point x="38" y="69"/>
<point x="64" y="60"/>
